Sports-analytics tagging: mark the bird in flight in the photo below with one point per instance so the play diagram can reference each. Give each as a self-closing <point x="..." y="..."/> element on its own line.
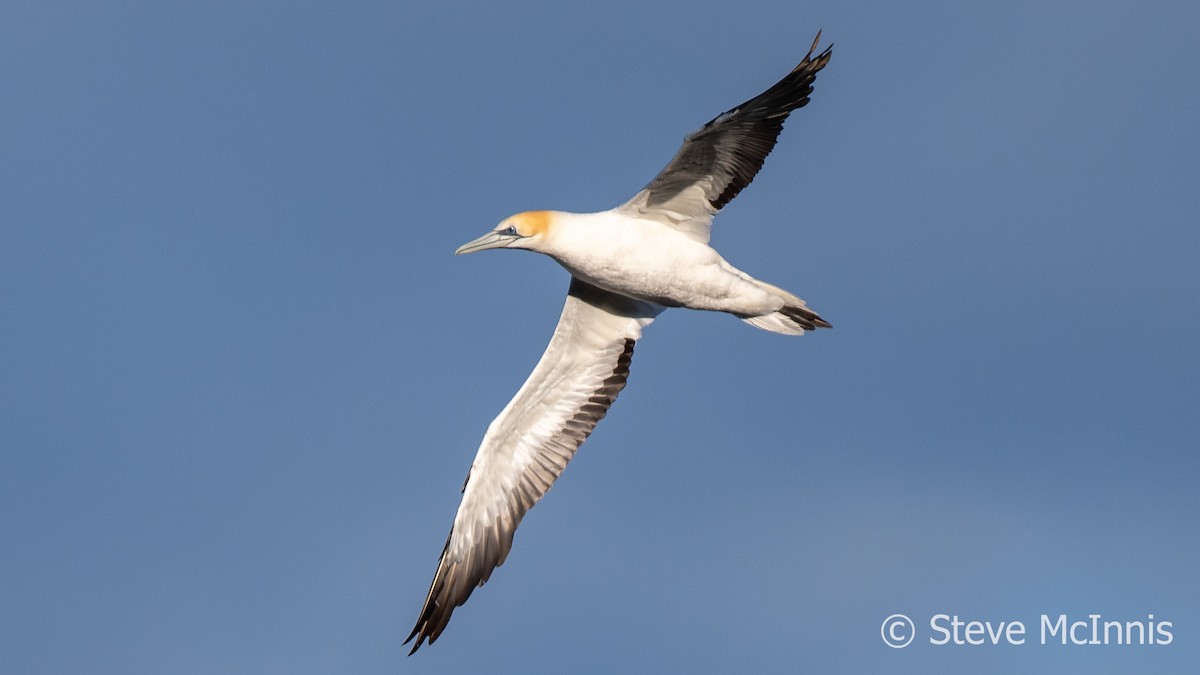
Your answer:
<point x="627" y="264"/>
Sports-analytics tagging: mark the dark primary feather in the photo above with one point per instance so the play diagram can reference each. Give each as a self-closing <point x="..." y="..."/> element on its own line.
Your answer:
<point x="722" y="157"/>
<point x="708" y="171"/>
<point x="592" y="317"/>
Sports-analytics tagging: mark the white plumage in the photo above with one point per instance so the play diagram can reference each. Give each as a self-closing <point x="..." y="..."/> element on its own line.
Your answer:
<point x="627" y="264"/>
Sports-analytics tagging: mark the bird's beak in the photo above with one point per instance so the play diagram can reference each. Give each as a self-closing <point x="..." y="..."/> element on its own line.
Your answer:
<point x="492" y="239"/>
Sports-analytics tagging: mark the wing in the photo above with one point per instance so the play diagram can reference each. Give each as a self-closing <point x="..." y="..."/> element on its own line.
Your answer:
<point x="722" y="157"/>
<point x="529" y="444"/>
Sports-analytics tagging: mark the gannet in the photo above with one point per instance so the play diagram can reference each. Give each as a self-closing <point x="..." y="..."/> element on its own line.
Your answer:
<point x="627" y="265"/>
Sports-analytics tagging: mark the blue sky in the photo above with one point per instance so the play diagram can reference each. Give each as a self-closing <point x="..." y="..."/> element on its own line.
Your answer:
<point x="242" y="375"/>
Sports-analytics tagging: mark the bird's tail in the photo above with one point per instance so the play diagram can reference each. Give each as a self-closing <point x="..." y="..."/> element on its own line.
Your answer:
<point x="794" y="318"/>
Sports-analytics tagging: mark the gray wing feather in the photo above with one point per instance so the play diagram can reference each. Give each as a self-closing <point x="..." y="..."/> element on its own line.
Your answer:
<point x="722" y="157"/>
<point x="529" y="444"/>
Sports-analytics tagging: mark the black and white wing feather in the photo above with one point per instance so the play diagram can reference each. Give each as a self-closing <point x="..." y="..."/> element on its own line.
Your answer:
<point x="722" y="157"/>
<point x="529" y="444"/>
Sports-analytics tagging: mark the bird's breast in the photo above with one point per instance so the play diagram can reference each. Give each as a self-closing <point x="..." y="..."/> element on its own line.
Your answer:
<point x="643" y="260"/>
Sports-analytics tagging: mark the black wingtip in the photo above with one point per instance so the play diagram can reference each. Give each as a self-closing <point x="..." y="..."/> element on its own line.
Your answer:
<point x="416" y="629"/>
<point x="823" y="56"/>
<point x="423" y="634"/>
<point x="810" y="65"/>
<point x="428" y="626"/>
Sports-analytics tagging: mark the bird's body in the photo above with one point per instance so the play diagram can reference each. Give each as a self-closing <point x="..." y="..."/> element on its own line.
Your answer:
<point x="648" y="260"/>
<point x="627" y="265"/>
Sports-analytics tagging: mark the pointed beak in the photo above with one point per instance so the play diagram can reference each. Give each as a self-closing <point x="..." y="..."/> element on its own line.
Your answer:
<point x="490" y="240"/>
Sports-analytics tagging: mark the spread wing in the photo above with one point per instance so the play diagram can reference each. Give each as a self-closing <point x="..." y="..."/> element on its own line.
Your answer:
<point x="722" y="157"/>
<point x="529" y="444"/>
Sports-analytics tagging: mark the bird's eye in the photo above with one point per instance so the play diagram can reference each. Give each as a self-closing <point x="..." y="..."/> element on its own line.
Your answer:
<point x="511" y="231"/>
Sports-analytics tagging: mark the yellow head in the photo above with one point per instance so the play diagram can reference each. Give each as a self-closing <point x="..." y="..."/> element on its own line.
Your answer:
<point x="527" y="229"/>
